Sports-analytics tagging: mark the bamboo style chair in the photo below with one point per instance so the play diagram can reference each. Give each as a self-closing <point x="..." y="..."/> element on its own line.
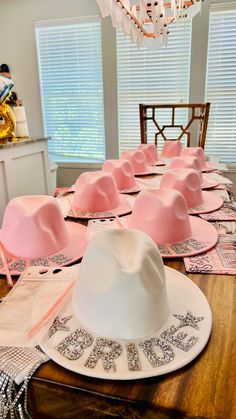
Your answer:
<point x="196" y="112"/>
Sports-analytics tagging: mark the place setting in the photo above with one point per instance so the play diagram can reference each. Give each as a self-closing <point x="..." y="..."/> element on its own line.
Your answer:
<point x="34" y="233"/>
<point x="96" y="196"/>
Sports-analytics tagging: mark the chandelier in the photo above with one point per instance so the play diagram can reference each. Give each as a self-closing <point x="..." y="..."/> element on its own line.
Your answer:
<point x="147" y="22"/>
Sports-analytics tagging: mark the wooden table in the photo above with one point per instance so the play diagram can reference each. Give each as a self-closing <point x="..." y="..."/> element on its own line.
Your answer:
<point x="205" y="388"/>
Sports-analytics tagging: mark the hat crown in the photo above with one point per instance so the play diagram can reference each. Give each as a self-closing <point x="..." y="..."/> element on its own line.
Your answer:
<point x="186" y="162"/>
<point x="137" y="159"/>
<point x="162" y="214"/>
<point x="96" y="191"/>
<point x="171" y="148"/>
<point x="122" y="171"/>
<point x="150" y="152"/>
<point x="33" y="227"/>
<point x="187" y="182"/>
<point x="196" y="152"/>
<point x="121" y="290"/>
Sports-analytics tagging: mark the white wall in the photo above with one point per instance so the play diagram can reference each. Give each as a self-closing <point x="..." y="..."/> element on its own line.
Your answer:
<point x="18" y="50"/>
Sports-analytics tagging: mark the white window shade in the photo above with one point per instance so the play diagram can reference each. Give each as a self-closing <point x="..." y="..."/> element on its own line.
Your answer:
<point x="151" y="77"/>
<point x="221" y="82"/>
<point x="71" y="82"/>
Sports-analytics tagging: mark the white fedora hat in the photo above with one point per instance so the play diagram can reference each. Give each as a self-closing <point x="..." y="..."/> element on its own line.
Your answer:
<point x="129" y="317"/>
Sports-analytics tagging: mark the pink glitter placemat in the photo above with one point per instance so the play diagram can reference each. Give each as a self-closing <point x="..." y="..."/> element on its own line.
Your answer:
<point x="226" y="213"/>
<point x="220" y="260"/>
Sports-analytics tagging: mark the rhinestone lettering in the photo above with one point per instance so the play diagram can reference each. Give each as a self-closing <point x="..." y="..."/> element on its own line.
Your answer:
<point x="106" y="350"/>
<point x="178" y="339"/>
<point x="72" y="347"/>
<point x="155" y="360"/>
<point x="133" y="357"/>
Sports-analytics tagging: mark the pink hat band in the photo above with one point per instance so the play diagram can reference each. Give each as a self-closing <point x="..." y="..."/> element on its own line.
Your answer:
<point x="96" y="191"/>
<point x="163" y="214"/>
<point x="186" y="162"/>
<point x="171" y="149"/>
<point x="33" y="227"/>
<point x="122" y="171"/>
<point x="150" y="153"/>
<point x="187" y="182"/>
<point x="137" y="160"/>
<point x="195" y="152"/>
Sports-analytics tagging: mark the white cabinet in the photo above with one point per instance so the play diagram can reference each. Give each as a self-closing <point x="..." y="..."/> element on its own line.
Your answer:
<point x="24" y="170"/>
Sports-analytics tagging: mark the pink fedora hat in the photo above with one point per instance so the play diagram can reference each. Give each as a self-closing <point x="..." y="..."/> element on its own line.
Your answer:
<point x="123" y="173"/>
<point x="137" y="159"/>
<point x="163" y="214"/>
<point x="151" y="155"/>
<point x="171" y="149"/>
<point x="96" y="196"/>
<point x="187" y="162"/>
<point x="199" y="153"/>
<point x="188" y="183"/>
<point x="193" y="162"/>
<point x="34" y="229"/>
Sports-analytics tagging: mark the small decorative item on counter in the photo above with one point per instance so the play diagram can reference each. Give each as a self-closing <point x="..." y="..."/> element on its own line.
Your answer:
<point x="12" y="100"/>
<point x="7" y="117"/>
<point x="21" y="129"/>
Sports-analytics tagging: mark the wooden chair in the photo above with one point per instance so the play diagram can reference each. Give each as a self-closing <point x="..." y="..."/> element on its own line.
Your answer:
<point x="196" y="112"/>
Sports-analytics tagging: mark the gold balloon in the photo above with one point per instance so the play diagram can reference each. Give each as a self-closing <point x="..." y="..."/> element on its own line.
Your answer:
<point x="7" y="123"/>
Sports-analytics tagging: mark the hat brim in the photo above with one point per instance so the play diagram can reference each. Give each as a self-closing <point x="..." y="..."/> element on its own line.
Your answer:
<point x="66" y="256"/>
<point x="184" y="297"/>
<point x="137" y="188"/>
<point x="149" y="171"/>
<point x="209" y="167"/>
<point x="160" y="170"/>
<point x="204" y="237"/>
<point x="209" y="182"/>
<point x="125" y="207"/>
<point x="211" y="202"/>
<point x="158" y="162"/>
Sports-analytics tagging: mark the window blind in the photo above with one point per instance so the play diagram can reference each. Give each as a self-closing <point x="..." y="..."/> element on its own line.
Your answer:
<point x="221" y="82"/>
<point x="71" y="82"/>
<point x="145" y="76"/>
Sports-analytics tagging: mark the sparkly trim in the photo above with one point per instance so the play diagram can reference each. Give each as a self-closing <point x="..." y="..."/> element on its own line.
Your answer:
<point x="107" y="350"/>
<point x="59" y="324"/>
<point x="155" y="360"/>
<point x="10" y="394"/>
<point x="72" y="347"/>
<point x="134" y="363"/>
<point x="156" y="349"/>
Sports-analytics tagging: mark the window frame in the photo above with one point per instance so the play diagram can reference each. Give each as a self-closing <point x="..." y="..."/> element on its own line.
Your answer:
<point x="61" y="159"/>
